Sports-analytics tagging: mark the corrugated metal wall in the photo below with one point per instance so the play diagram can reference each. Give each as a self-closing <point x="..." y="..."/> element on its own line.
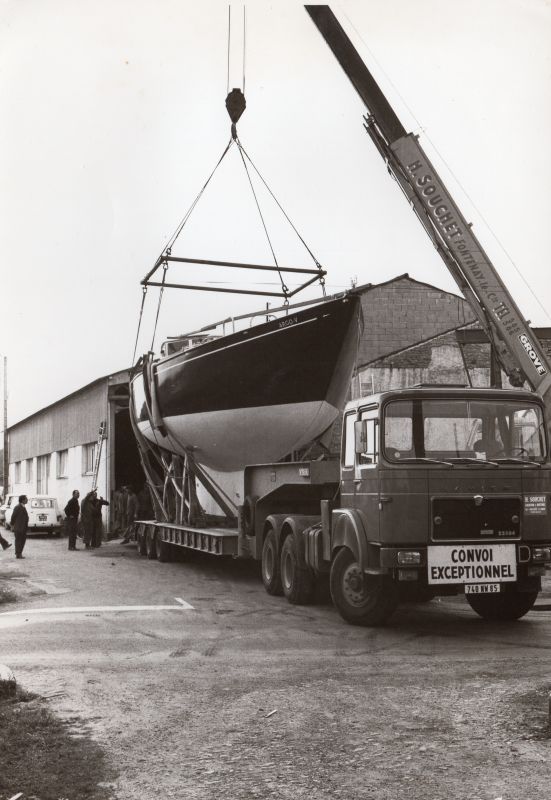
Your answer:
<point x="74" y="420"/>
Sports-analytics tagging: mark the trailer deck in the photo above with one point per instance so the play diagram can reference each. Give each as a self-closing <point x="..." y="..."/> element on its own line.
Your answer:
<point x="217" y="541"/>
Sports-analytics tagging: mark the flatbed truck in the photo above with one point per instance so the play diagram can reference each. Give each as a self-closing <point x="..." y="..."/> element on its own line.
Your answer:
<point x="438" y="491"/>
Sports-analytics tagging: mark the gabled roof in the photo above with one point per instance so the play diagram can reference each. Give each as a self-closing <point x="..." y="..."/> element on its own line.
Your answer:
<point x="365" y="287"/>
<point x="111" y="376"/>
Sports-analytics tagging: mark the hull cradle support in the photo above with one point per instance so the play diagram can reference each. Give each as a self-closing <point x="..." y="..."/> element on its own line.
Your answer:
<point x="172" y="481"/>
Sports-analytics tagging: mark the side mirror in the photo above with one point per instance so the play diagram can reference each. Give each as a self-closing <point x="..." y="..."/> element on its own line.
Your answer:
<point x="360" y="436"/>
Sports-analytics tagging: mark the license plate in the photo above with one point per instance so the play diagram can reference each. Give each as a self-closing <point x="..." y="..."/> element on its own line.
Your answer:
<point x="477" y="563"/>
<point x="482" y="588"/>
<point x="42" y="517"/>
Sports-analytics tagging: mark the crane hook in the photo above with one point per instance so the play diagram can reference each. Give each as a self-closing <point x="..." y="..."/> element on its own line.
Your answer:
<point x="235" y="104"/>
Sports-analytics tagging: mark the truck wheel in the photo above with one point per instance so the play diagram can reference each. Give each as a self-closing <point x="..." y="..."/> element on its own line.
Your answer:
<point x="510" y="606"/>
<point x="164" y="550"/>
<point x="271" y="575"/>
<point x="150" y="544"/>
<point x="297" y="583"/>
<point x="360" y="599"/>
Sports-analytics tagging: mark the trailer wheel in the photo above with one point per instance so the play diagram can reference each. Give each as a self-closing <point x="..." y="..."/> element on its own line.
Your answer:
<point x="164" y="550"/>
<point x="360" y="599"/>
<point x="271" y="575"/>
<point x="150" y="544"/>
<point x="504" y="607"/>
<point x="297" y="583"/>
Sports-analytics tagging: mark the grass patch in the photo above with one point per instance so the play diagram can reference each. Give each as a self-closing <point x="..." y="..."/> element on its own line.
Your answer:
<point x="40" y="756"/>
<point x="7" y="596"/>
<point x="533" y="713"/>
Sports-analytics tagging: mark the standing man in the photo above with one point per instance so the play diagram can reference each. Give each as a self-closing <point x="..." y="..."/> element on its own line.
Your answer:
<point x="131" y="512"/>
<point x="72" y="510"/>
<point x="97" y="503"/>
<point x="87" y="518"/>
<point x="19" y="523"/>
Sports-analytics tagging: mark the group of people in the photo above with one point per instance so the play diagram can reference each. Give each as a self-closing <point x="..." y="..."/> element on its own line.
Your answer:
<point x="84" y="518"/>
<point x="126" y="504"/>
<point x="90" y="517"/>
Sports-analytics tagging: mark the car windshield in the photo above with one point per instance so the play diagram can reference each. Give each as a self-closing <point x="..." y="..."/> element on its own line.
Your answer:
<point x="464" y="430"/>
<point x="41" y="502"/>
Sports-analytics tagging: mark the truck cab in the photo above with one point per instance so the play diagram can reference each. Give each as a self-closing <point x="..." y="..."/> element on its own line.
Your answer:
<point x="443" y="490"/>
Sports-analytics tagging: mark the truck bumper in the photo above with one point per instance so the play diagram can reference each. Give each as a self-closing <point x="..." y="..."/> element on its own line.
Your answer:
<point x="411" y="565"/>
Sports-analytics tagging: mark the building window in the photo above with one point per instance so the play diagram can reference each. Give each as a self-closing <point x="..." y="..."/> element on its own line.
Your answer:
<point x="62" y="457"/>
<point x="18" y="471"/>
<point x="29" y="470"/>
<point x="88" y="458"/>
<point x="42" y="474"/>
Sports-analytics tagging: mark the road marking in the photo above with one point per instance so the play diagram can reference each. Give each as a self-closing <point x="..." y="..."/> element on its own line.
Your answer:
<point x="182" y="606"/>
<point x="183" y="602"/>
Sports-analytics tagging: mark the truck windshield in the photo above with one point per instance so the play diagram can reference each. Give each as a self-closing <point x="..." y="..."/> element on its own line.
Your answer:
<point x="506" y="431"/>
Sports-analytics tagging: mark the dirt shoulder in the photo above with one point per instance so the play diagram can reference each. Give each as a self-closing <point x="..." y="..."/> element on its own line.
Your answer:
<point x="46" y="758"/>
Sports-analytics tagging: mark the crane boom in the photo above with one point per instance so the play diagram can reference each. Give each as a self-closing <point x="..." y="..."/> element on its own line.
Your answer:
<point x="515" y="344"/>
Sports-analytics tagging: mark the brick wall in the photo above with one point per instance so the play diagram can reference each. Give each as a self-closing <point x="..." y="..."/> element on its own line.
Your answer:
<point x="403" y="311"/>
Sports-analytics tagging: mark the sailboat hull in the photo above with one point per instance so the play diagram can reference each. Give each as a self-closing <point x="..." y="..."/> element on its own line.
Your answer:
<point x="253" y="396"/>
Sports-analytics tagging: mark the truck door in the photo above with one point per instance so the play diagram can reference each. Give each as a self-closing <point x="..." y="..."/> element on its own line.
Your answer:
<point x="367" y="471"/>
<point x="348" y="458"/>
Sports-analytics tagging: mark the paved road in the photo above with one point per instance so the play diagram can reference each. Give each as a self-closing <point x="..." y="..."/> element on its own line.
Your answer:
<point x="438" y="705"/>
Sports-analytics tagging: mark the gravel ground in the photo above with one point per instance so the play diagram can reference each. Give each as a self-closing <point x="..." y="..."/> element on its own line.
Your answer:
<point x="438" y="705"/>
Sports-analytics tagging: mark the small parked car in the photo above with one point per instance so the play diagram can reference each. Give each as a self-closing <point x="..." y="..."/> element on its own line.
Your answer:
<point x="5" y="503"/>
<point x="43" y="513"/>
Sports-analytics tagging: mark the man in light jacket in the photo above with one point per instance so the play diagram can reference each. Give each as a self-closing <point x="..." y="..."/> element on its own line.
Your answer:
<point x="19" y="523"/>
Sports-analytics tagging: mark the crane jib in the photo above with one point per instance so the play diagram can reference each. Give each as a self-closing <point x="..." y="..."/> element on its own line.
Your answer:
<point x="467" y="250"/>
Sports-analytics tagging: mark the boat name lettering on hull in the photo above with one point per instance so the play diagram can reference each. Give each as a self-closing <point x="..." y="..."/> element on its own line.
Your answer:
<point x="284" y="323"/>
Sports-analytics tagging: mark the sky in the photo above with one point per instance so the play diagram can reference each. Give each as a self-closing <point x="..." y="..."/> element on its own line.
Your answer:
<point x="113" y="117"/>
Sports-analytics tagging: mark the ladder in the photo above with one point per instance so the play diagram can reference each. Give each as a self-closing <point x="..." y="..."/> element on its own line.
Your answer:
<point x="99" y="445"/>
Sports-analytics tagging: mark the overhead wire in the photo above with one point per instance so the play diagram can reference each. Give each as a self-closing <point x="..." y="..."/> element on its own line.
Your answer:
<point x="229" y="42"/>
<point x="244" y="43"/>
<point x="284" y="288"/>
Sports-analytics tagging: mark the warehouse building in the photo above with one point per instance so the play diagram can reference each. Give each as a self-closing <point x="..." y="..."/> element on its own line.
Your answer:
<point x="54" y="450"/>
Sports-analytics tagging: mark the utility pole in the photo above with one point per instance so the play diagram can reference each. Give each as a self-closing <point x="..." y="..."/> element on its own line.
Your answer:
<point x="6" y="455"/>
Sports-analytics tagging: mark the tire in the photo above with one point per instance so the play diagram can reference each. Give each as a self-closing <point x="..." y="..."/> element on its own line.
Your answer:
<point x="360" y="599"/>
<point x="502" y="607"/>
<point x="164" y="550"/>
<point x="271" y="573"/>
<point x="297" y="583"/>
<point x="150" y="544"/>
<point x="140" y="541"/>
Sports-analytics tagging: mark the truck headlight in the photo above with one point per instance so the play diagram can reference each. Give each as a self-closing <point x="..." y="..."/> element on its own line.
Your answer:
<point x="409" y="557"/>
<point x="541" y="554"/>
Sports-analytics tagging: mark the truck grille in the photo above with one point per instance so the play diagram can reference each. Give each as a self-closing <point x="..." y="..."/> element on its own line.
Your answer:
<point x="460" y="518"/>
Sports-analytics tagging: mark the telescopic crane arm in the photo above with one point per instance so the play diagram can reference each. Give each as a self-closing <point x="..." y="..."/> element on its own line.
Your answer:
<point x="515" y="345"/>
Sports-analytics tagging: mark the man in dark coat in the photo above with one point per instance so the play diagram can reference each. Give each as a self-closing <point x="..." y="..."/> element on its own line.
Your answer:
<point x="97" y="503"/>
<point x="131" y="513"/>
<point x="20" y="523"/>
<point x="72" y="510"/>
<point x="87" y="517"/>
